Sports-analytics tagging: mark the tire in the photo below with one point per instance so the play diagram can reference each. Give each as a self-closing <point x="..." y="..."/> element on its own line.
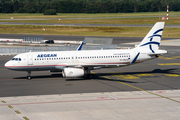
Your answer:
<point x="29" y="77"/>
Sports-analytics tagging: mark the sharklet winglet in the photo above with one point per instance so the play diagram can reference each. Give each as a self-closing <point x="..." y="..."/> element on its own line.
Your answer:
<point x="80" y="46"/>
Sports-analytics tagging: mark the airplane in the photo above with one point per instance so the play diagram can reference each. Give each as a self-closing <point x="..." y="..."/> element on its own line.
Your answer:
<point x="79" y="63"/>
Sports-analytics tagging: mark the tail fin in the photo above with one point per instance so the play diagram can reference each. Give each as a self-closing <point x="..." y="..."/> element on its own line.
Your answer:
<point x="153" y="38"/>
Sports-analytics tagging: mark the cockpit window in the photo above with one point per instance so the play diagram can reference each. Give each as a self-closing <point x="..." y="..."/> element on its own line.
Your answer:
<point x="16" y="59"/>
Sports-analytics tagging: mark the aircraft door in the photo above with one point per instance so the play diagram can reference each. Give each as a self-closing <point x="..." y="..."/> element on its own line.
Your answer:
<point x="30" y="59"/>
<point x="74" y="59"/>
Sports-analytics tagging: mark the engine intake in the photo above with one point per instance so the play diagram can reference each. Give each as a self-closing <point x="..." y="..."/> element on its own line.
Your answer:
<point x="73" y="72"/>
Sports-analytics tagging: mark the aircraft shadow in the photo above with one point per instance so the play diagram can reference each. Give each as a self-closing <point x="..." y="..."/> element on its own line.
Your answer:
<point x="167" y="71"/>
<point x="98" y="76"/>
<point x="42" y="76"/>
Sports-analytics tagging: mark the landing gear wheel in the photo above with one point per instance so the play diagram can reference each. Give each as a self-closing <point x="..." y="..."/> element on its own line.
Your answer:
<point x="29" y="77"/>
<point x="89" y="76"/>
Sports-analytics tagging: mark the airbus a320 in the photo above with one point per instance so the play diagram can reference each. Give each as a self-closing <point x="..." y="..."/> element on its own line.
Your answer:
<point x="79" y="63"/>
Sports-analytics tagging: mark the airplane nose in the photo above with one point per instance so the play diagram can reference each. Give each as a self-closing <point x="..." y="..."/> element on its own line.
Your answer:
<point x="10" y="65"/>
<point x="7" y="65"/>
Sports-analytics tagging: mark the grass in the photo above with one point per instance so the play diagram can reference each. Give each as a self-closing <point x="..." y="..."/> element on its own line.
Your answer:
<point x="90" y="31"/>
<point x="100" y="18"/>
<point x="82" y="15"/>
<point x="174" y="20"/>
<point x="86" y="31"/>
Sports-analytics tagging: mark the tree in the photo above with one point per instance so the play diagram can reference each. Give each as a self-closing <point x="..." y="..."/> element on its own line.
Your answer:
<point x="16" y="5"/>
<point x="7" y="8"/>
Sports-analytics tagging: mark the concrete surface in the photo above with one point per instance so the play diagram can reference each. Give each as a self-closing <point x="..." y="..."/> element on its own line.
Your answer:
<point x="137" y="105"/>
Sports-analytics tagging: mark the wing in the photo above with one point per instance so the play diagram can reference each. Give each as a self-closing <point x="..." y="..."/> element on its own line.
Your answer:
<point x="93" y="65"/>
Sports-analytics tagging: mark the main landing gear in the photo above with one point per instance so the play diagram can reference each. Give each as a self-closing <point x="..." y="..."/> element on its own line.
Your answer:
<point x="88" y="74"/>
<point x="29" y="75"/>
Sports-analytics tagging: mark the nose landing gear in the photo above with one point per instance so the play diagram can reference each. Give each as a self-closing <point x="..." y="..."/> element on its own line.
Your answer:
<point x="28" y="75"/>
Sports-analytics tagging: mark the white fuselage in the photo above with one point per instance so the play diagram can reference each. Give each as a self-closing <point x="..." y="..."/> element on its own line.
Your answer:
<point x="58" y="60"/>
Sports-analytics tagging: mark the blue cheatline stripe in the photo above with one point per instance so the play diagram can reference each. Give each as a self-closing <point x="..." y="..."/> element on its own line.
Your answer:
<point x="135" y="58"/>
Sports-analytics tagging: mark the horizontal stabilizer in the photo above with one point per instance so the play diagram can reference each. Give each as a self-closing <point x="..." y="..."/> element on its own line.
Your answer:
<point x="158" y="52"/>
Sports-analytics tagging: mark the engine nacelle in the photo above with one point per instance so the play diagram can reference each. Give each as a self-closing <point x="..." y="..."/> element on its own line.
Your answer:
<point x="73" y="72"/>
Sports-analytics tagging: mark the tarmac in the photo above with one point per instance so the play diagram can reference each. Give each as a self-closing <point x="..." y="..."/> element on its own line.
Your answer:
<point x="145" y="91"/>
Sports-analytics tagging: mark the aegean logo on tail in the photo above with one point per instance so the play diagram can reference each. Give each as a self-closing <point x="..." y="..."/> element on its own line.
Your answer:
<point x="151" y="40"/>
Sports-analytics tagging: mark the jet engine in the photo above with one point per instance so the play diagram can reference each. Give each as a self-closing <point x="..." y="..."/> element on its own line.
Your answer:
<point x="73" y="72"/>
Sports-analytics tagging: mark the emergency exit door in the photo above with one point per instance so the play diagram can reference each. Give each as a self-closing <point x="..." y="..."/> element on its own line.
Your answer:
<point x="30" y="59"/>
